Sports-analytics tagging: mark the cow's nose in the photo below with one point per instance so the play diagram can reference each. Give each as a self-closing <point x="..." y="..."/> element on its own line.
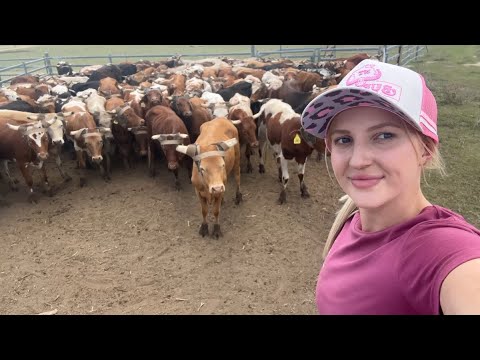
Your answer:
<point x="254" y="144"/>
<point x="172" y="166"/>
<point x="43" y="156"/>
<point x="97" y="159"/>
<point x="143" y="152"/>
<point x="217" y="189"/>
<point x="188" y="113"/>
<point x="58" y="142"/>
<point x="142" y="122"/>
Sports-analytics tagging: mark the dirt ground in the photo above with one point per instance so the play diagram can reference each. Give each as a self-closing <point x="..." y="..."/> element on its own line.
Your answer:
<point x="132" y="246"/>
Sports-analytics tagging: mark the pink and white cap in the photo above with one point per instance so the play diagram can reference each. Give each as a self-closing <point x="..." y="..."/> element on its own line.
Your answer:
<point x="374" y="83"/>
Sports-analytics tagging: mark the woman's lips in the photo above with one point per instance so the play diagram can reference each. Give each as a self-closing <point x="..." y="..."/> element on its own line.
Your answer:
<point x="365" y="182"/>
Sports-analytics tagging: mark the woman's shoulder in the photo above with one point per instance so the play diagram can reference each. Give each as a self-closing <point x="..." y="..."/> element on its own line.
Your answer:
<point x="441" y="228"/>
<point x="438" y="218"/>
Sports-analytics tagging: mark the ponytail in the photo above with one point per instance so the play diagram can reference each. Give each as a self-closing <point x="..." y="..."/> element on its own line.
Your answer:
<point x="346" y="211"/>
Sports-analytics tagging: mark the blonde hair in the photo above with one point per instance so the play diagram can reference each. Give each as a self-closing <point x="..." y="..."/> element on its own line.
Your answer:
<point x="435" y="162"/>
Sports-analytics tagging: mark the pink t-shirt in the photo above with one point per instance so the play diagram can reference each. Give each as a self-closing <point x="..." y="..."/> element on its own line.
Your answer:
<point x="398" y="270"/>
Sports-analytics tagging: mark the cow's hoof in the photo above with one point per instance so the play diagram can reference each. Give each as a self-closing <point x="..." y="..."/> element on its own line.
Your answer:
<point x="83" y="181"/>
<point x="203" y="230"/>
<point x="238" y="198"/>
<point x="283" y="197"/>
<point x="216" y="231"/>
<point x="305" y="194"/>
<point x="249" y="168"/>
<point x="261" y="169"/>
<point x="177" y="186"/>
<point x="152" y="173"/>
<point x="13" y="187"/>
<point x="33" y="198"/>
<point x="67" y="178"/>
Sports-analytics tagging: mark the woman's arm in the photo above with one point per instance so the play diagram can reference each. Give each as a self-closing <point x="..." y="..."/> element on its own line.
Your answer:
<point x="460" y="291"/>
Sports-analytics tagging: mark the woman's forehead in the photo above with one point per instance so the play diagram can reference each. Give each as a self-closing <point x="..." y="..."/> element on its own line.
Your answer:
<point x="364" y="117"/>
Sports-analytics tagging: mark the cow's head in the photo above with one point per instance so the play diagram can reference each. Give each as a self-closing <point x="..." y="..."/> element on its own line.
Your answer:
<point x="93" y="139"/>
<point x="181" y="106"/>
<point x="169" y="142"/>
<point x="126" y="117"/>
<point x="141" y="139"/>
<point x="210" y="163"/>
<point x="53" y="123"/>
<point x="247" y="130"/>
<point x="36" y="137"/>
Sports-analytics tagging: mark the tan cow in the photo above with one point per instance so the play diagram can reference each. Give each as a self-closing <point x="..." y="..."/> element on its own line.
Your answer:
<point x="216" y="154"/>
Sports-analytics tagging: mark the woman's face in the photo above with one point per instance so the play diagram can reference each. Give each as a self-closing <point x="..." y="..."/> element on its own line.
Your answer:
<point x="373" y="157"/>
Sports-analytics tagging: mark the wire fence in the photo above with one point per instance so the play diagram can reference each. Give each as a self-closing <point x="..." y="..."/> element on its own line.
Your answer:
<point x="46" y="65"/>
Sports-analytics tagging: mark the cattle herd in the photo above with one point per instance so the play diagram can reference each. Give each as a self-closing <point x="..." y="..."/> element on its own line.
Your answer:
<point x="202" y="115"/>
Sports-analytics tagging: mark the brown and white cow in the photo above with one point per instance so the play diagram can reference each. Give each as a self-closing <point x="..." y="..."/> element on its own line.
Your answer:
<point x="242" y="117"/>
<point x="87" y="138"/>
<point x="26" y="143"/>
<point x="167" y="131"/>
<point x="280" y="126"/>
<point x="109" y="87"/>
<point x="216" y="154"/>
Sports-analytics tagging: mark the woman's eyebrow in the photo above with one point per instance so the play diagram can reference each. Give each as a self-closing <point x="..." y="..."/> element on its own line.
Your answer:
<point x="393" y="124"/>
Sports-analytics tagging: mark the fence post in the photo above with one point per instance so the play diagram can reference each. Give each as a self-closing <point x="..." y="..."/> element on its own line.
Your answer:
<point x="385" y="53"/>
<point x="399" y="54"/>
<point x="281" y="54"/>
<point x="253" y="51"/>
<point x="25" y="68"/>
<point x="110" y="58"/>
<point x="48" y="64"/>
<point x="416" y="52"/>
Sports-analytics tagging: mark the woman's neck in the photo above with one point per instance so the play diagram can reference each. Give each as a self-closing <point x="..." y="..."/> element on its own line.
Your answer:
<point x="393" y="213"/>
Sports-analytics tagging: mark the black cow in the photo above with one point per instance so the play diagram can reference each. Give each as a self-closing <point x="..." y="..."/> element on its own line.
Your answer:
<point x="19" y="105"/>
<point x="243" y="88"/>
<point x="127" y="69"/>
<point x="64" y="68"/>
<point x="110" y="70"/>
<point x="75" y="88"/>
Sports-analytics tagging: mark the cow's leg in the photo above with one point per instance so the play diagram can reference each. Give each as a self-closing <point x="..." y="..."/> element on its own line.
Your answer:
<point x="177" y="182"/>
<point x="277" y="153"/>
<point x="107" y="150"/>
<point x="204" y="204"/>
<point x="262" y="147"/>
<point x="285" y="177"/>
<point x="11" y="181"/>
<point x="301" y="172"/>
<point x="46" y="185"/>
<point x="151" y="160"/>
<point x="58" y="162"/>
<point x="216" y="212"/>
<point x="236" y="169"/>
<point x="189" y="163"/>
<point x="27" y="175"/>
<point x="81" y="167"/>
<point x="248" y="153"/>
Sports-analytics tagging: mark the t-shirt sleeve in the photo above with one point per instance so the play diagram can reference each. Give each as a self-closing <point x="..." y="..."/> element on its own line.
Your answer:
<point x="428" y="255"/>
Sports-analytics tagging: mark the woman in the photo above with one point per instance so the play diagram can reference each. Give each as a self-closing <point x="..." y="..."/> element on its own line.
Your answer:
<point x="390" y="251"/>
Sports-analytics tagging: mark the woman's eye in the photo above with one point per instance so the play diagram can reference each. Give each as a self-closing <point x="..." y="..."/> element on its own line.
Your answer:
<point x="385" y="136"/>
<point x="342" y="140"/>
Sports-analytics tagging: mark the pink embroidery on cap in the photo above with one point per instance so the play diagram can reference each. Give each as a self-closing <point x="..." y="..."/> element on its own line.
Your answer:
<point x="365" y="73"/>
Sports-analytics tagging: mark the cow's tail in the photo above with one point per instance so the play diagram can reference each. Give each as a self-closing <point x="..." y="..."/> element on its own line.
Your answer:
<point x="262" y="109"/>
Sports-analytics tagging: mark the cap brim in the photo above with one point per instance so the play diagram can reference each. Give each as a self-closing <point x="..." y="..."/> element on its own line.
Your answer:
<point x="320" y="111"/>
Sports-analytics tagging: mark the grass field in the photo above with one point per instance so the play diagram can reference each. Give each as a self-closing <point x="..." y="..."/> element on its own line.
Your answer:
<point x="455" y="82"/>
<point x="448" y="70"/>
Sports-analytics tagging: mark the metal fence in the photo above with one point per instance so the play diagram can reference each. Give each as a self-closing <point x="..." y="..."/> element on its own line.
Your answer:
<point x="397" y="54"/>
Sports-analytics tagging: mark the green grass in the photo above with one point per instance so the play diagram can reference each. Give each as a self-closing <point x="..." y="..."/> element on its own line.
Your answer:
<point x="457" y="90"/>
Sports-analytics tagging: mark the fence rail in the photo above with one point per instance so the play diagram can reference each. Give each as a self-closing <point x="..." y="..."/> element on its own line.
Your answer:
<point x="397" y="54"/>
